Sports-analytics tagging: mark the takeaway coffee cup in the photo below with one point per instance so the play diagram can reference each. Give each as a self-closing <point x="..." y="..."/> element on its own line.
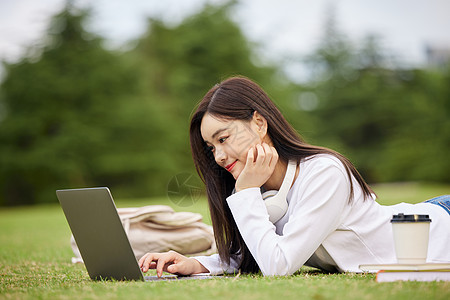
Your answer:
<point x="411" y="233"/>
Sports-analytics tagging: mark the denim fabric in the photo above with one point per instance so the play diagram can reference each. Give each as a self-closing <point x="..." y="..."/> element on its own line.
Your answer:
<point x="442" y="201"/>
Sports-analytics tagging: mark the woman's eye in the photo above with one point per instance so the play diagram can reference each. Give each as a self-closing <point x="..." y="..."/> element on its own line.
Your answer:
<point x="222" y="140"/>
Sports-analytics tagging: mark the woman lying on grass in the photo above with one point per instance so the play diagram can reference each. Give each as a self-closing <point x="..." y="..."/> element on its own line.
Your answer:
<point x="242" y="146"/>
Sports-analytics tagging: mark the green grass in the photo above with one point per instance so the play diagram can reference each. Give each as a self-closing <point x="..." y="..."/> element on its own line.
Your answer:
<point x="35" y="264"/>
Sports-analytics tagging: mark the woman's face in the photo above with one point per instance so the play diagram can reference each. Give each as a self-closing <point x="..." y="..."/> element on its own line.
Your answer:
<point x="230" y="140"/>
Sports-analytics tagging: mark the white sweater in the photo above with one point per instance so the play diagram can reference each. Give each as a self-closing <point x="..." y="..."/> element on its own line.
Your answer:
<point x="321" y="228"/>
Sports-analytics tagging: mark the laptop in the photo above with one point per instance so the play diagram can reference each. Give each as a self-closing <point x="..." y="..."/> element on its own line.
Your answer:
<point x="101" y="238"/>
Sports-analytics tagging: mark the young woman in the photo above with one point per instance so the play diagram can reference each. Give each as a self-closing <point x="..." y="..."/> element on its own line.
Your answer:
<point x="241" y="145"/>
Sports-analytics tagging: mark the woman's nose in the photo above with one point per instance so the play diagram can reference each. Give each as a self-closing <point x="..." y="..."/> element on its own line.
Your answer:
<point x="220" y="156"/>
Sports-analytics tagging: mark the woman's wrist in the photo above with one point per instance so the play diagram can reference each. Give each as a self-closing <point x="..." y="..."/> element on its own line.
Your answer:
<point x="198" y="267"/>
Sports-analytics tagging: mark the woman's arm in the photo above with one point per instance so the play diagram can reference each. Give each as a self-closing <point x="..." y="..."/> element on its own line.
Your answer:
<point x="313" y="215"/>
<point x="215" y="265"/>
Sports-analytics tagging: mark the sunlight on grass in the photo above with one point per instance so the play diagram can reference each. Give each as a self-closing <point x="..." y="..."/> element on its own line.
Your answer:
<point x="409" y="192"/>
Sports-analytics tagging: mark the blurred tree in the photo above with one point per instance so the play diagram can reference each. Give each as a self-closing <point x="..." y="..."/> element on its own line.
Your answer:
<point x="377" y="114"/>
<point x="418" y="147"/>
<point x="68" y="111"/>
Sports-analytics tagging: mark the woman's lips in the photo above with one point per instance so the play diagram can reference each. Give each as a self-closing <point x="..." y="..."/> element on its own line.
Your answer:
<point x="230" y="166"/>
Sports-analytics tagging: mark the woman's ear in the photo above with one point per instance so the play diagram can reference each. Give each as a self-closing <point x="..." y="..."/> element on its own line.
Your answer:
<point x="260" y="124"/>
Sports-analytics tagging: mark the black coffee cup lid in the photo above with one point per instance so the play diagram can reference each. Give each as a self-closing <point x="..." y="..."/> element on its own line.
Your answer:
<point x="410" y="218"/>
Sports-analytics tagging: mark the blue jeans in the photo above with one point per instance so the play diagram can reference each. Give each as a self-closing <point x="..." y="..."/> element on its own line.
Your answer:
<point x="442" y="201"/>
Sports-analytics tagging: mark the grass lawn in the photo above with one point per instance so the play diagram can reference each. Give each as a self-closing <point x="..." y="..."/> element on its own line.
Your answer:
<point x="35" y="264"/>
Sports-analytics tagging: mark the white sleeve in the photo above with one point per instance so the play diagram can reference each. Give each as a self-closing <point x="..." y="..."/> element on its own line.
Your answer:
<point x="215" y="265"/>
<point x="316" y="212"/>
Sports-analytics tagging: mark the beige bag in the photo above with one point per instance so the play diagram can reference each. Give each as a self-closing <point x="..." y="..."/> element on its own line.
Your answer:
<point x="158" y="228"/>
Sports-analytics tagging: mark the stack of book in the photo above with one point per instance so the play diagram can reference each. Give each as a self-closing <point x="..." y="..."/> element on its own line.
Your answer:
<point x="409" y="272"/>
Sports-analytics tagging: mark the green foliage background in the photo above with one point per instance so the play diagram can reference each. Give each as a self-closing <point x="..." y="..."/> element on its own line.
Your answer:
<point x="74" y="114"/>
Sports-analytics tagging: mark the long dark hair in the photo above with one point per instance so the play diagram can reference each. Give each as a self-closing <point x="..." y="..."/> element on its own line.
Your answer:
<point x="237" y="98"/>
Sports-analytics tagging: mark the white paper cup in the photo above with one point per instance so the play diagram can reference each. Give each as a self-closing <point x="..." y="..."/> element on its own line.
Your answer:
<point x="411" y="234"/>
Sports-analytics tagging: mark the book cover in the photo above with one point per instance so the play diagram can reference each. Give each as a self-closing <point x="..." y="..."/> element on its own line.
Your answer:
<point x="390" y="276"/>
<point x="406" y="267"/>
<point x="409" y="272"/>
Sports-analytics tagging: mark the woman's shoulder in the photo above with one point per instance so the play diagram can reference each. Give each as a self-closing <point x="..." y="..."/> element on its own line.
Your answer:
<point x="321" y="164"/>
<point x="322" y="161"/>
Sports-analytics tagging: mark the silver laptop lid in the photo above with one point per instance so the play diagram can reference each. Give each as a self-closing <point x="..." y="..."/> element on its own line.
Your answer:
<point x="99" y="234"/>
